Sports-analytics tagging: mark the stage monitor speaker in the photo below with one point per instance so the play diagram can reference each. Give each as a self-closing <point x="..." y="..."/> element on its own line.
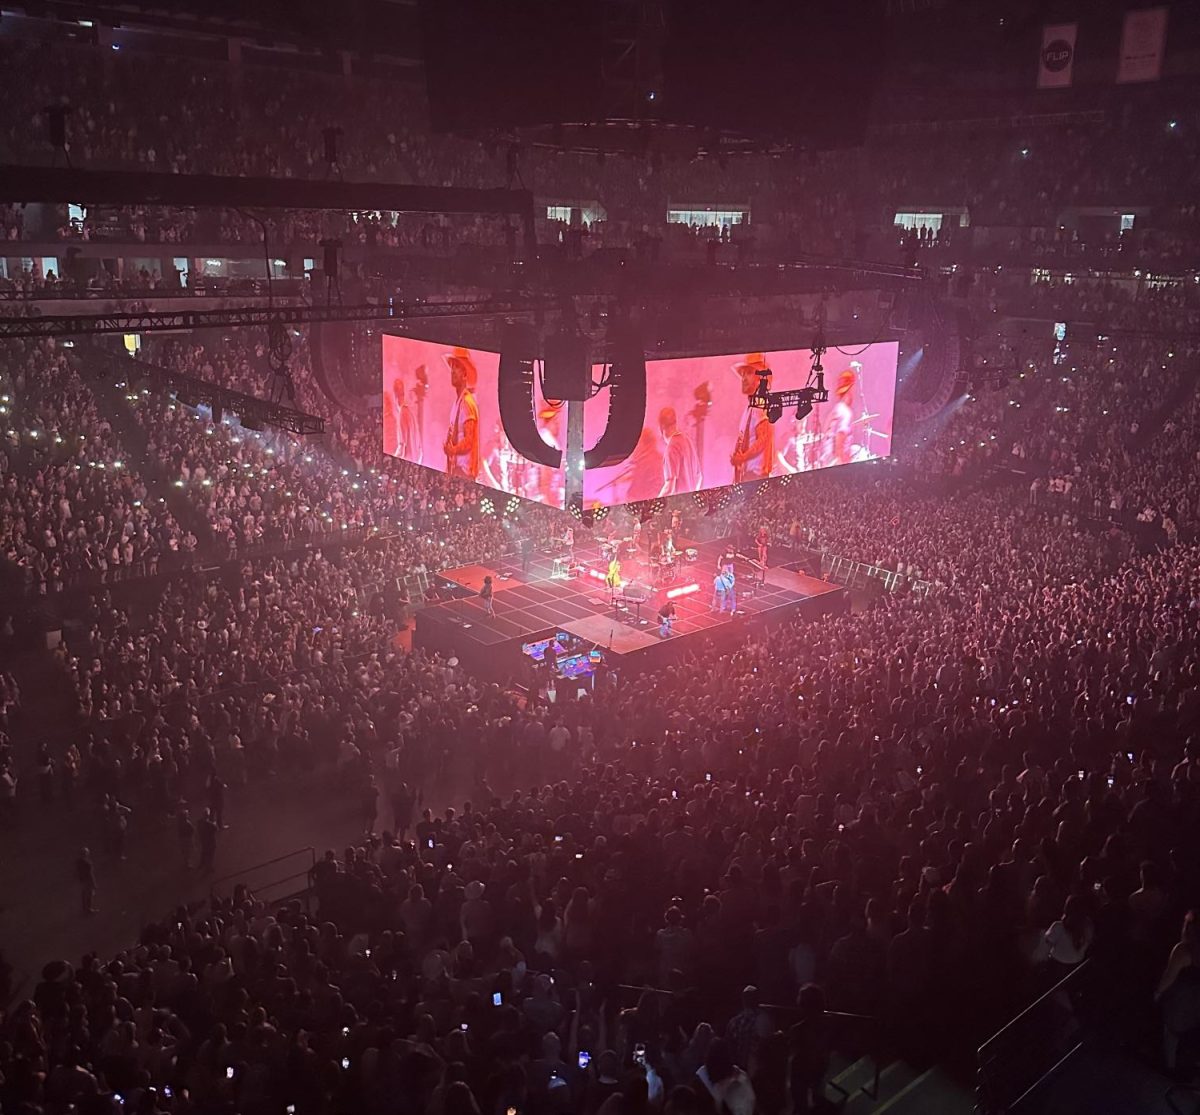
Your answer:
<point x="518" y="350"/>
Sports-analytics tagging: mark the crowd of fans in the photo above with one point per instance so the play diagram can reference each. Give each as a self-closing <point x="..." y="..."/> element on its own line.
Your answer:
<point x="73" y="500"/>
<point x="865" y="804"/>
<point x="1089" y="422"/>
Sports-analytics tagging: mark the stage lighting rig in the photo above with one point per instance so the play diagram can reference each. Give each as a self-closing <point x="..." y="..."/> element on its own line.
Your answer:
<point x="802" y="398"/>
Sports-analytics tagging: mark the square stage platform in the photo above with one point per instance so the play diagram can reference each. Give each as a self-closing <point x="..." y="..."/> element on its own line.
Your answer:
<point x="531" y="605"/>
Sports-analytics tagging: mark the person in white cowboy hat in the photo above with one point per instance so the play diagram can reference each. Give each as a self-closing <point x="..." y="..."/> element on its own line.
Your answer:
<point x="462" y="436"/>
<point x="754" y="450"/>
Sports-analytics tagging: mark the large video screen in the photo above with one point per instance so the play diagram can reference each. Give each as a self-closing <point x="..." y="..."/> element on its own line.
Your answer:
<point x="700" y="431"/>
<point x="440" y="410"/>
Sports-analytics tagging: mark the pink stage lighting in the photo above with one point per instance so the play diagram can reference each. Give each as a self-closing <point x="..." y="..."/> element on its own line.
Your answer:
<point x="682" y="590"/>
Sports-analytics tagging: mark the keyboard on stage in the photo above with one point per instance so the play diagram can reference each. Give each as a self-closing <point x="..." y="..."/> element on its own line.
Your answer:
<point x="635" y="594"/>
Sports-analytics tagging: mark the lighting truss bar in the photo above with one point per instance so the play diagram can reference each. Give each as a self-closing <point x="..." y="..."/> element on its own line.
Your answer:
<point x="161" y="321"/>
<point x="808" y="262"/>
<point x="259" y="411"/>
<point x="787" y="399"/>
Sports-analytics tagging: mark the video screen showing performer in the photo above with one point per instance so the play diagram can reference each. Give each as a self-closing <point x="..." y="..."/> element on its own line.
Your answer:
<point x="439" y="404"/>
<point x="753" y="456"/>
<point x="441" y="409"/>
<point x="462" y="436"/>
<point x="710" y="435"/>
<point x="701" y="429"/>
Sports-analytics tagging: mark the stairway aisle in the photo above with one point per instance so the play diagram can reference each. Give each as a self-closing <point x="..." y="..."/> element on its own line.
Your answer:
<point x="903" y="1090"/>
<point x="113" y="405"/>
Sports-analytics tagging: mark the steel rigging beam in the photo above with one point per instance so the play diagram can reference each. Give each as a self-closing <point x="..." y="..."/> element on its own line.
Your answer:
<point x="161" y="321"/>
<point x="252" y="411"/>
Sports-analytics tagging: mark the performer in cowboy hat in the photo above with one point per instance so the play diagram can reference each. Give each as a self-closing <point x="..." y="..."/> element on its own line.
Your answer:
<point x="754" y="451"/>
<point x="462" y="435"/>
<point x="842" y="422"/>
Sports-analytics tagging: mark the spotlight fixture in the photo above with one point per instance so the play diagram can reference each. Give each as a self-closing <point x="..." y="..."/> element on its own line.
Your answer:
<point x="802" y="398"/>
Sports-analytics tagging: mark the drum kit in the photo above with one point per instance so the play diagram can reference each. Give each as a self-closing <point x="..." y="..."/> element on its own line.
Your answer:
<point x="861" y="449"/>
<point x="666" y="569"/>
<point x="814" y="448"/>
<point x="620" y="548"/>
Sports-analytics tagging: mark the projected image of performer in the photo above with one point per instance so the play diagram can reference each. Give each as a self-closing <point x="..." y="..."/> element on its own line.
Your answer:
<point x="802" y="451"/>
<point x="681" y="469"/>
<point x="400" y="434"/>
<point x="548" y="485"/>
<point x="641" y="474"/>
<point x="841" y="422"/>
<point x="462" y="435"/>
<point x="753" y="455"/>
<point x="503" y="466"/>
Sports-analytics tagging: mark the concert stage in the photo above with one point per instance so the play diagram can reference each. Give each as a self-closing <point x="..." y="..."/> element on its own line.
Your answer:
<point x="535" y="605"/>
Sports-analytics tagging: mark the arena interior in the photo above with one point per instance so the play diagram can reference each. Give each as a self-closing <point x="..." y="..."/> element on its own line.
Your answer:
<point x="621" y="558"/>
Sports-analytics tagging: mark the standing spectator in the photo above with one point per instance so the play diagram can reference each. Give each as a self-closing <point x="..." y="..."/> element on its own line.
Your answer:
<point x="216" y="800"/>
<point x="208" y="841"/>
<point x="45" y="772"/>
<point x="370" y="804"/>
<point x="1179" y="991"/>
<point x="85" y="875"/>
<point x="747" y="1028"/>
<point x="8" y="793"/>
<point x="116" y="824"/>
